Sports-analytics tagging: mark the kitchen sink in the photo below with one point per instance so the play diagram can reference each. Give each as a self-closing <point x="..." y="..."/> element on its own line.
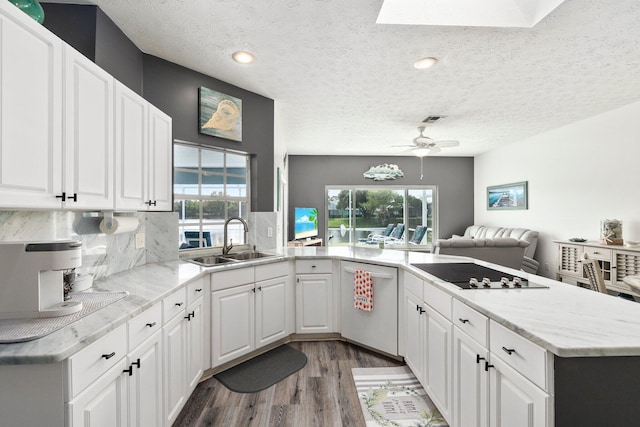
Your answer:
<point x="210" y="261"/>
<point x="243" y="256"/>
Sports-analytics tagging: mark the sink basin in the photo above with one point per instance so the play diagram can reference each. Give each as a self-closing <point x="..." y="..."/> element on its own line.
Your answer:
<point x="209" y="261"/>
<point x="243" y="256"/>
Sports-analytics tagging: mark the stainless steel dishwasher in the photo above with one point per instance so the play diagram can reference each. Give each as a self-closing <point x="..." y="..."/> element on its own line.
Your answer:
<point x="377" y="328"/>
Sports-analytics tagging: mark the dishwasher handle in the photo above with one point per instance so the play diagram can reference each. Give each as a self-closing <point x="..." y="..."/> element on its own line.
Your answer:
<point x="373" y="275"/>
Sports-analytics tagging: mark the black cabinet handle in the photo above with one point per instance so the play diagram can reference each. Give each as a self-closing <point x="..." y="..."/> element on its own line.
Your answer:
<point x="179" y="304"/>
<point x="63" y="196"/>
<point x="508" y="350"/>
<point x="487" y="366"/>
<point x="464" y="320"/>
<point x="260" y="288"/>
<point x="478" y="358"/>
<point x="74" y="197"/>
<point x="422" y="310"/>
<point x="109" y="356"/>
<point x="129" y="370"/>
<point x="150" y="203"/>
<point x="137" y="363"/>
<point x="417" y="307"/>
<point x="199" y="290"/>
<point x="188" y="317"/>
<point x="151" y="325"/>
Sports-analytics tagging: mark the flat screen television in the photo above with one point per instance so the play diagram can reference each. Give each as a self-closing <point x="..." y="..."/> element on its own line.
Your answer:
<point x="306" y="223"/>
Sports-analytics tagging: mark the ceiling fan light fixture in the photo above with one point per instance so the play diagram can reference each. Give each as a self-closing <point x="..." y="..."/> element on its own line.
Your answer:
<point x="424" y="63"/>
<point x="420" y="151"/>
<point x="243" y="57"/>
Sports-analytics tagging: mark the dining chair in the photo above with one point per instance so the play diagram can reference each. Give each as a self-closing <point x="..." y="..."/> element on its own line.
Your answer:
<point x="593" y="274"/>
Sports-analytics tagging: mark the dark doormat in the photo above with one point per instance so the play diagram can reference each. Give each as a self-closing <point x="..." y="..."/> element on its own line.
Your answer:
<point x="264" y="370"/>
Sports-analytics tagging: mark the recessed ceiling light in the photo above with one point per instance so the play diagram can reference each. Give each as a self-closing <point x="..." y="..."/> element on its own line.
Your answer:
<point x="424" y="63"/>
<point x="243" y="57"/>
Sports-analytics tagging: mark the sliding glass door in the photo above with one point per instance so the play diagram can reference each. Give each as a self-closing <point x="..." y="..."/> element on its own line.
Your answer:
<point x="398" y="217"/>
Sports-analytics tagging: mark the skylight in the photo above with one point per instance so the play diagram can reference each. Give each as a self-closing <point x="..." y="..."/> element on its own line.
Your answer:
<point x="473" y="13"/>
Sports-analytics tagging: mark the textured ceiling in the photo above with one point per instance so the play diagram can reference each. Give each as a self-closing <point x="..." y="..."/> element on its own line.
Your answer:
<point x="346" y="85"/>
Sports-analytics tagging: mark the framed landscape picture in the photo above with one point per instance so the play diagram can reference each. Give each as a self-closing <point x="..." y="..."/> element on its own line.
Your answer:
<point x="220" y="114"/>
<point x="507" y="196"/>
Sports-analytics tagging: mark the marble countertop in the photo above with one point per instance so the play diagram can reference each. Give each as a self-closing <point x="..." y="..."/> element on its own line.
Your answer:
<point x="564" y="319"/>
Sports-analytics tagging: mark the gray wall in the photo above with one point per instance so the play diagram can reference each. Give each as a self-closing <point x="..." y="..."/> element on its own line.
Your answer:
<point x="308" y="176"/>
<point x="174" y="89"/>
<point x="91" y="32"/>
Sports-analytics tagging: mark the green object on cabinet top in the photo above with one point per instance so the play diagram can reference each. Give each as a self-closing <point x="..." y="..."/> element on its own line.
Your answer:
<point x="31" y="8"/>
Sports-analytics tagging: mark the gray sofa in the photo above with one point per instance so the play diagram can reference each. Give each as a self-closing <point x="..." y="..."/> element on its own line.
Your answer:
<point x="511" y="247"/>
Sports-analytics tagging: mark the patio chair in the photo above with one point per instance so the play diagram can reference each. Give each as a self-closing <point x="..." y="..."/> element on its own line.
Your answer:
<point x="375" y="238"/>
<point x="418" y="235"/>
<point x="396" y="235"/>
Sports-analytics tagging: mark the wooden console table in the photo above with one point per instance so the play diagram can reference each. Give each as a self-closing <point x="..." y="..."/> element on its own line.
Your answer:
<point x="307" y="242"/>
<point x="616" y="262"/>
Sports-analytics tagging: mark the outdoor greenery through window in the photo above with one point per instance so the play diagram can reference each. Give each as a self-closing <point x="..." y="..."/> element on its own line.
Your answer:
<point x="399" y="217"/>
<point x="209" y="186"/>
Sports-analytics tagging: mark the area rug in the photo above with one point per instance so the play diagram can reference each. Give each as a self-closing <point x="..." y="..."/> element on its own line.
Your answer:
<point x="394" y="397"/>
<point x="264" y="370"/>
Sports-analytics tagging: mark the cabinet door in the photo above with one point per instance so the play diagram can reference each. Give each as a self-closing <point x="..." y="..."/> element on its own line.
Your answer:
<point x="160" y="163"/>
<point x="314" y="312"/>
<point x="175" y="360"/>
<point x="131" y="137"/>
<point x="87" y="133"/>
<point x="30" y="112"/>
<point x="470" y="385"/>
<point x="271" y="310"/>
<point x="232" y="323"/>
<point x="104" y="403"/>
<point x="195" y="343"/>
<point x="145" y="383"/>
<point x="438" y="360"/>
<point x="514" y="400"/>
<point x="414" y="334"/>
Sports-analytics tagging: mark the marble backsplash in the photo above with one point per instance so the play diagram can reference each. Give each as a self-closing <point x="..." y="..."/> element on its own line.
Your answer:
<point x="102" y="254"/>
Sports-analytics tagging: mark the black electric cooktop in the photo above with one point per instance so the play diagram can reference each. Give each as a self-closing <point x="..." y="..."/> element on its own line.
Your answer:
<point x="467" y="275"/>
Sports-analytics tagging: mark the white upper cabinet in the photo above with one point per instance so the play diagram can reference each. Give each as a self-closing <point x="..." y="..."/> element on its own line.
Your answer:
<point x="87" y="133"/>
<point x="143" y="154"/>
<point x="131" y="148"/>
<point x="68" y="139"/>
<point x="30" y="112"/>
<point x="160" y="185"/>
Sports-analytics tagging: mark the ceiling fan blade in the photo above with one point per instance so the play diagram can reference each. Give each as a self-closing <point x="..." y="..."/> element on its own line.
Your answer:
<point x="435" y="149"/>
<point x="405" y="145"/>
<point x="448" y="143"/>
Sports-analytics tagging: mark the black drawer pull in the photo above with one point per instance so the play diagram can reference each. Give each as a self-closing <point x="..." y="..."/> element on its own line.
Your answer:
<point x="129" y="370"/>
<point x="179" y="304"/>
<point x="422" y="310"/>
<point x="487" y="366"/>
<point x="109" y="356"/>
<point x="151" y="325"/>
<point x="188" y="317"/>
<point x="464" y="320"/>
<point x="478" y="358"/>
<point x="508" y="350"/>
<point x="199" y="290"/>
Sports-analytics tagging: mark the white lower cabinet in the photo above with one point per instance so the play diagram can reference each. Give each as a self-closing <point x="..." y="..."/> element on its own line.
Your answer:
<point x="144" y="379"/>
<point x="183" y="341"/>
<point x="428" y="340"/>
<point x="470" y="382"/>
<point x="438" y="360"/>
<point x="248" y="311"/>
<point x="104" y="403"/>
<point x="314" y="297"/>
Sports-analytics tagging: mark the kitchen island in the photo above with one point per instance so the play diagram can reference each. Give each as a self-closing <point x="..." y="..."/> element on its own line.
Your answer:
<point x="591" y="341"/>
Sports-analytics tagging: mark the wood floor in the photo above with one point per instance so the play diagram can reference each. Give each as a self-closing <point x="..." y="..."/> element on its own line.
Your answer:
<point x="320" y="394"/>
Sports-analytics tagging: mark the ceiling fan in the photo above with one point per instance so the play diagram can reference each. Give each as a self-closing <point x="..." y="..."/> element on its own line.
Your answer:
<point x="423" y="145"/>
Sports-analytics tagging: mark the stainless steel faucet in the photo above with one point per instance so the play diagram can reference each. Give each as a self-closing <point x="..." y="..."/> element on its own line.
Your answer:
<point x="225" y="248"/>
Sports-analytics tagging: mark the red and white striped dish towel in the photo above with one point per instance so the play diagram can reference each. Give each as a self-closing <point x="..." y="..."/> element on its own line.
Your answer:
<point x="363" y="290"/>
